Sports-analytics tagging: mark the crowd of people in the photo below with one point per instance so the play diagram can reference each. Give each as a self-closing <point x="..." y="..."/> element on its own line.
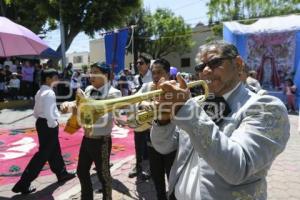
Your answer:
<point x="220" y="148"/>
<point x="19" y="79"/>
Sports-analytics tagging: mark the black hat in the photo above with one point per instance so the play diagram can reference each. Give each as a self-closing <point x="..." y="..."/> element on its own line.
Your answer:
<point x="105" y="68"/>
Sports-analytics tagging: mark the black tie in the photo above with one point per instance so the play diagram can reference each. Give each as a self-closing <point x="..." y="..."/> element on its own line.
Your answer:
<point x="95" y="94"/>
<point x="140" y="83"/>
<point x="216" y="108"/>
<point x="140" y="80"/>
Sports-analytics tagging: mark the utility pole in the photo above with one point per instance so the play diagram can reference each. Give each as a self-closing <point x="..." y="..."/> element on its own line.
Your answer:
<point x="62" y="37"/>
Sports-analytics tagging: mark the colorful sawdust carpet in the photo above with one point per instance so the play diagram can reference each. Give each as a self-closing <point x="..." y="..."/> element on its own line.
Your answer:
<point x="17" y="146"/>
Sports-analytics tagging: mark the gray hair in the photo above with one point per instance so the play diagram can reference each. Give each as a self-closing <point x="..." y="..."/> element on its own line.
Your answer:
<point x="225" y="49"/>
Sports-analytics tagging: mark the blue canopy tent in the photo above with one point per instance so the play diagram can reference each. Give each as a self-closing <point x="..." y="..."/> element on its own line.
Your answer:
<point x="46" y="54"/>
<point x="50" y="53"/>
<point x="270" y="46"/>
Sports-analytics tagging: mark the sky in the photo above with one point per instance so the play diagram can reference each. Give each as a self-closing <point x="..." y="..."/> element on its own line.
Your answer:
<point x="193" y="11"/>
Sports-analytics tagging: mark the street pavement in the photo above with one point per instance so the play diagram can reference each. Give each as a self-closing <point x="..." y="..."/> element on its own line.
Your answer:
<point x="283" y="178"/>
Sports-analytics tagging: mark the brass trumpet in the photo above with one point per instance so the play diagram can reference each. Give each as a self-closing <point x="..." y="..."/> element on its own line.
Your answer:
<point x="89" y="110"/>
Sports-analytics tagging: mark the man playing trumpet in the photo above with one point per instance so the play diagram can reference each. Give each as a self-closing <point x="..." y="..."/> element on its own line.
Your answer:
<point x="96" y="143"/>
<point x="225" y="157"/>
<point x="160" y="164"/>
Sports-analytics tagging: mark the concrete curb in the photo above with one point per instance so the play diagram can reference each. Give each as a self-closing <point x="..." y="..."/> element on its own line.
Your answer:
<point x="12" y="104"/>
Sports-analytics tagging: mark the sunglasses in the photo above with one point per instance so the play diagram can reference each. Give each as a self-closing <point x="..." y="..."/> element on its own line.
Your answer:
<point x="212" y="64"/>
<point x="140" y="62"/>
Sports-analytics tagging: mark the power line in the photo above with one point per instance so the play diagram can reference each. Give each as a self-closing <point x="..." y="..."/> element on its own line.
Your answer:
<point x="190" y="19"/>
<point x="186" y="5"/>
<point x="177" y="36"/>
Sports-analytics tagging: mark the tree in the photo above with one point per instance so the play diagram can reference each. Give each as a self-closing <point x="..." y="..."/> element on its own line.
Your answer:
<point x="26" y="13"/>
<point x="137" y="19"/>
<point x="86" y="16"/>
<point x="225" y="10"/>
<point x="161" y="33"/>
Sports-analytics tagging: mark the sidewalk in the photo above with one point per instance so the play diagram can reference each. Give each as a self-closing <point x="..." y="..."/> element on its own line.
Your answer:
<point x="123" y="187"/>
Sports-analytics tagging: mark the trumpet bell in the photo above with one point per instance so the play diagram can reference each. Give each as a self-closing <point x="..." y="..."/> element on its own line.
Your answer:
<point x="72" y="125"/>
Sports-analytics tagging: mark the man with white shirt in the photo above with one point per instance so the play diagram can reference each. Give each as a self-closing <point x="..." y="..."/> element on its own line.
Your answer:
<point x="97" y="142"/>
<point x="46" y="112"/>
<point x="140" y="137"/>
<point x="144" y="75"/>
<point x="225" y="155"/>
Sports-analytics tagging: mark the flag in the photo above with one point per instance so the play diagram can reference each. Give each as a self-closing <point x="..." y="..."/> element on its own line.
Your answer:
<point x="115" y="43"/>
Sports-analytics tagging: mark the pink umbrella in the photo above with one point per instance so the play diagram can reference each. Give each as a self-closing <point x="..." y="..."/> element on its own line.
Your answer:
<point x="16" y="40"/>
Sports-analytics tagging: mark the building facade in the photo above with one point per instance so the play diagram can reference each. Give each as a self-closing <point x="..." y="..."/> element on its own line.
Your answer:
<point x="79" y="59"/>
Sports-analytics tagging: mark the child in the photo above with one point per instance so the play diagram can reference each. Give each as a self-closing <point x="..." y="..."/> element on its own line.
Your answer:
<point x="14" y="86"/>
<point x="96" y="146"/>
<point x="46" y="112"/>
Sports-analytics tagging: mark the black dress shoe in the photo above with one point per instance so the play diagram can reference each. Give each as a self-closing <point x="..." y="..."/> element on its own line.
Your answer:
<point x="144" y="175"/>
<point x="99" y="191"/>
<point x="28" y="190"/>
<point x="65" y="177"/>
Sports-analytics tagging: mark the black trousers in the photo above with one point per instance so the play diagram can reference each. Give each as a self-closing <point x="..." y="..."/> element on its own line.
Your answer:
<point x="27" y="89"/>
<point x="97" y="151"/>
<point x="49" y="150"/>
<point x="160" y="165"/>
<point x="13" y="93"/>
<point x="141" y="150"/>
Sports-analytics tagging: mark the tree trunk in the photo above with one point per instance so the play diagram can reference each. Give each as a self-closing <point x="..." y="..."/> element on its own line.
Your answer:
<point x="135" y="53"/>
<point x="236" y="10"/>
<point x="2" y="4"/>
<point x="68" y="40"/>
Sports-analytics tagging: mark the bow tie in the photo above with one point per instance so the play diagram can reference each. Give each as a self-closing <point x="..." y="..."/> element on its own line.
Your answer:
<point x="95" y="94"/>
<point x="216" y="108"/>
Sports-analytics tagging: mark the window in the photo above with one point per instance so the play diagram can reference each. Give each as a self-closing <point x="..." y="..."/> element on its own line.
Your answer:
<point x="185" y="62"/>
<point x="77" y="59"/>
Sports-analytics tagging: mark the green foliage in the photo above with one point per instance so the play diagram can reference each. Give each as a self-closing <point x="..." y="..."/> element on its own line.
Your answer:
<point x="211" y="38"/>
<point x="84" y="67"/>
<point x="161" y="33"/>
<point x="217" y="29"/>
<point x="24" y="12"/>
<point x="227" y="10"/>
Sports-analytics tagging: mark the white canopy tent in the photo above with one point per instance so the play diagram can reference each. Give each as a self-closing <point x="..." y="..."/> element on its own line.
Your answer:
<point x="271" y="46"/>
<point x="269" y="25"/>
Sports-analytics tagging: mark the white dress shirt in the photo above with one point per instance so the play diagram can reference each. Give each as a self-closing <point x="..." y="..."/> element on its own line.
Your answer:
<point x="45" y="106"/>
<point x="145" y="79"/>
<point x="104" y="124"/>
<point x="14" y="83"/>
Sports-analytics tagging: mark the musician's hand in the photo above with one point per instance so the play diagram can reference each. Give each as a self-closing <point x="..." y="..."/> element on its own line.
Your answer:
<point x="67" y="106"/>
<point x="80" y="92"/>
<point x="146" y="105"/>
<point x="175" y="95"/>
<point x="153" y="86"/>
